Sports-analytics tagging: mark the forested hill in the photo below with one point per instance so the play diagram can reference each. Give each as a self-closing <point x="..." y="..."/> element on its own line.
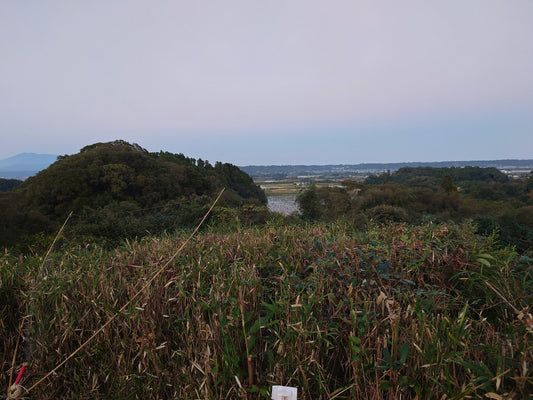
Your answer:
<point x="119" y="171"/>
<point x="119" y="176"/>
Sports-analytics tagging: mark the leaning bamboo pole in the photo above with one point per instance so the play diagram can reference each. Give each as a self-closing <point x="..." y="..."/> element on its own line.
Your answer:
<point x="17" y="391"/>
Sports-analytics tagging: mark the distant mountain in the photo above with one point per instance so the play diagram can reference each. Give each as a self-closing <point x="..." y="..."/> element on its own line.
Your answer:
<point x="262" y="171"/>
<point x="25" y="165"/>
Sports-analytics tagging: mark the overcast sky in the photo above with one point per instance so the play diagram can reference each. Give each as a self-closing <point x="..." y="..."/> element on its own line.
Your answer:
<point x="270" y="82"/>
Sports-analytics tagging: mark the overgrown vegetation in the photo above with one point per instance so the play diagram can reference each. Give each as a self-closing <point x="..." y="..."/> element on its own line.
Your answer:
<point x="416" y="284"/>
<point x="395" y="311"/>
<point x="414" y="195"/>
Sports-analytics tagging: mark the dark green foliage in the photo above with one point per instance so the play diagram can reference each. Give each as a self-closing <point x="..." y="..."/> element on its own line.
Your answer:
<point x="236" y="179"/>
<point x="8" y="184"/>
<point x="513" y="227"/>
<point x="116" y="221"/>
<point x="475" y="182"/>
<point x="414" y="203"/>
<point x="101" y="174"/>
<point x="427" y="176"/>
<point x="310" y="203"/>
<point x="388" y="193"/>
<point x="119" y="190"/>
<point x="447" y="184"/>
<point x="336" y="202"/>
<point x="416" y="195"/>
<point x="19" y="225"/>
<point x="385" y="213"/>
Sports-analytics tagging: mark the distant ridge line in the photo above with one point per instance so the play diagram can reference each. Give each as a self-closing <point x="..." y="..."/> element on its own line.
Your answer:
<point x="377" y="167"/>
<point x="470" y="163"/>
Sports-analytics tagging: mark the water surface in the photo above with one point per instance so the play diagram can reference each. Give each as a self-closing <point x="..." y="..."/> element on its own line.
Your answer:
<point x="284" y="204"/>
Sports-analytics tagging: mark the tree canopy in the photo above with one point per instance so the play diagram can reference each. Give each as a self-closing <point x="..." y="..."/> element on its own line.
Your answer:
<point x="119" y="175"/>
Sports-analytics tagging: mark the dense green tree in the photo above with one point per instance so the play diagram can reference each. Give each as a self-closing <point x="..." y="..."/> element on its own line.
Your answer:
<point x="336" y="202"/>
<point x="385" y="213"/>
<point x="310" y="203"/>
<point x="447" y="184"/>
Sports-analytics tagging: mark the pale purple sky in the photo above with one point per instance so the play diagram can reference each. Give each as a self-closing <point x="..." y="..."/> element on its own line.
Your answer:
<point x="270" y="82"/>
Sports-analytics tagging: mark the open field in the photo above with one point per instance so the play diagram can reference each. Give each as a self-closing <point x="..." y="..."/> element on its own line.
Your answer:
<point x="293" y="186"/>
<point x="280" y="188"/>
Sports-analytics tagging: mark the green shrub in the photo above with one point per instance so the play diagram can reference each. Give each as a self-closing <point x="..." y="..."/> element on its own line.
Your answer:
<point x="385" y="213"/>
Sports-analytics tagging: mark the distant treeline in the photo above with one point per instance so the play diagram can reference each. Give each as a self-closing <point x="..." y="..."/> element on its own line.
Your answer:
<point x="119" y="190"/>
<point x="296" y="170"/>
<point x="8" y="184"/>
<point x="487" y="196"/>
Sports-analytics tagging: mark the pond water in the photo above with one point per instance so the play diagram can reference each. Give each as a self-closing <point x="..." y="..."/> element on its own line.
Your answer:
<point x="284" y="204"/>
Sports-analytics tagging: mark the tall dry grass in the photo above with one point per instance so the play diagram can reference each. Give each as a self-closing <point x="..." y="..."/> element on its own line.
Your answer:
<point x="393" y="312"/>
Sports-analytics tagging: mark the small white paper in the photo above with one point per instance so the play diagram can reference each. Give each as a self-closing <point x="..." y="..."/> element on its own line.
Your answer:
<point x="284" y="393"/>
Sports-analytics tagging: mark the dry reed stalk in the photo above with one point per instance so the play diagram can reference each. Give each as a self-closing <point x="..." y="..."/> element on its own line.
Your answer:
<point x="159" y="272"/>
<point x="53" y="243"/>
<point x="23" y="390"/>
<point x="248" y="355"/>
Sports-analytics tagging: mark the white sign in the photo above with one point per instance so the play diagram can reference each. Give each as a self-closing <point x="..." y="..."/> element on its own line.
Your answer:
<point x="284" y="393"/>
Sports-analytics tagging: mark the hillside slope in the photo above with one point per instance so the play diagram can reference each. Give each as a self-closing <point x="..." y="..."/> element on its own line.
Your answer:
<point x="103" y="173"/>
<point x="118" y="183"/>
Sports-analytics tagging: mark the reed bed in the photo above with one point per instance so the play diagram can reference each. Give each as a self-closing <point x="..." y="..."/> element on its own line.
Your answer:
<point x="391" y="312"/>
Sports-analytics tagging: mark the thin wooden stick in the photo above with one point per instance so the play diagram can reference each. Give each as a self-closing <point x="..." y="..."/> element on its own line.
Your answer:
<point x="502" y="297"/>
<point x="130" y="300"/>
<point x="54" y="242"/>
